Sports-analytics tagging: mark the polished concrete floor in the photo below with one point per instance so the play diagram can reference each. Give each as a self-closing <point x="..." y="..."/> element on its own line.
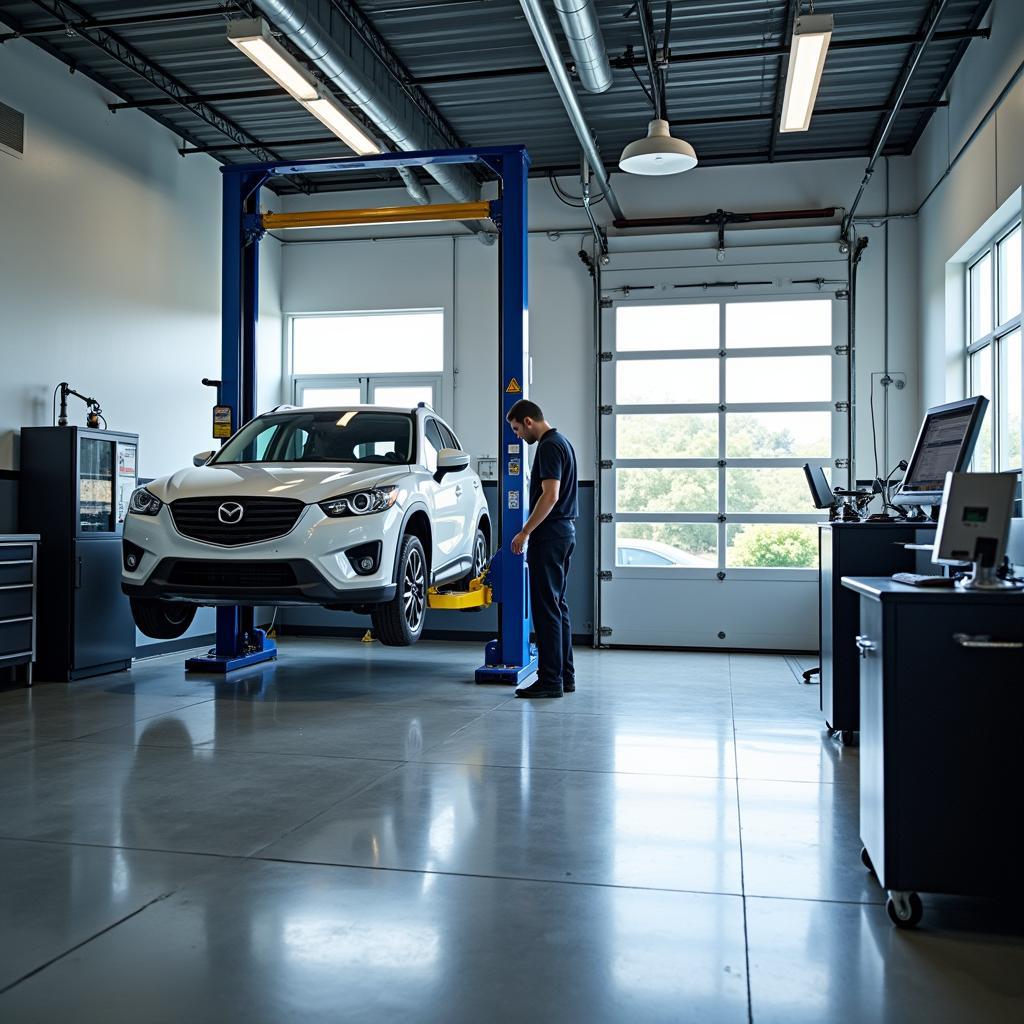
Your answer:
<point x="361" y="834"/>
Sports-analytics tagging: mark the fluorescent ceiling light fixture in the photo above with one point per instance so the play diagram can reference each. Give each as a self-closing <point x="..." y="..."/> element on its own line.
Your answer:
<point x="253" y="38"/>
<point x="811" y="37"/>
<point x="658" y="152"/>
<point x="325" y="110"/>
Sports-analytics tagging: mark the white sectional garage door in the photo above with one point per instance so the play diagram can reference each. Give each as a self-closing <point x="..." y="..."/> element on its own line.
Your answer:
<point x="714" y="394"/>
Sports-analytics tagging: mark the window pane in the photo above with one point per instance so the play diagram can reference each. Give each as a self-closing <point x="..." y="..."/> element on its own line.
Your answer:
<point x="981" y="384"/>
<point x="362" y="343"/>
<point x="408" y="396"/>
<point x="767" y="490"/>
<point x="666" y="490"/>
<point x="667" y="545"/>
<point x="778" y="324"/>
<point x="779" y="379"/>
<point x="667" y="381"/>
<point x="666" y="327"/>
<point x="981" y="297"/>
<point x="1009" y="276"/>
<point x="766" y="435"/>
<point x="321" y="397"/>
<point x="1011" y="384"/>
<point x="669" y="436"/>
<point x="772" y="545"/>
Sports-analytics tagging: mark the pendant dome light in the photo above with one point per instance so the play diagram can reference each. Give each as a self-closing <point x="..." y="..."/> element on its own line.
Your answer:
<point x="657" y="153"/>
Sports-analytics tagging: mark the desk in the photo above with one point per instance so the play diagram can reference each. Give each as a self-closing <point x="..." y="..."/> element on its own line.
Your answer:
<point x="853" y="549"/>
<point x="941" y="693"/>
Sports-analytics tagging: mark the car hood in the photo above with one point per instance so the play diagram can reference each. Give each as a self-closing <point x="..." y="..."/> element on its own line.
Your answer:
<point x="306" y="483"/>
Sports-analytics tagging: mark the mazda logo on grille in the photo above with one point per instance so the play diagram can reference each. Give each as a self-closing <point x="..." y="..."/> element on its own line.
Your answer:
<point x="230" y="512"/>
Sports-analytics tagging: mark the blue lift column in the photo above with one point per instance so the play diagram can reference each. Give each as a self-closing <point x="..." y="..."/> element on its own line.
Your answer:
<point x="239" y="642"/>
<point x="511" y="658"/>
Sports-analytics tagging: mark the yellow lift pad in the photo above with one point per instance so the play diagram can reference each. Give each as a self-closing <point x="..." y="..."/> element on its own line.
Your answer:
<point x="479" y="595"/>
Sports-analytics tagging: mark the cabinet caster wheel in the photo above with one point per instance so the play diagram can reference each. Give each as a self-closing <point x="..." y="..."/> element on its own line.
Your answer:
<point x="865" y="859"/>
<point x="829" y="730"/>
<point x="904" y="909"/>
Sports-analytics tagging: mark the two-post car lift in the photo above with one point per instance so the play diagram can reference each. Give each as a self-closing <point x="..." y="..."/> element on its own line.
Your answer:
<point x="510" y="658"/>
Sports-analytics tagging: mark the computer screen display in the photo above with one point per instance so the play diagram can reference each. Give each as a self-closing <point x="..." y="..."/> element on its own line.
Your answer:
<point x="945" y="445"/>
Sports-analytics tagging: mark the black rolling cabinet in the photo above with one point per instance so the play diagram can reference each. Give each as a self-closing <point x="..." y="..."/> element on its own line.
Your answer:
<point x="18" y="559"/>
<point x="75" y="486"/>
<point x="941" y="679"/>
<point x="853" y="549"/>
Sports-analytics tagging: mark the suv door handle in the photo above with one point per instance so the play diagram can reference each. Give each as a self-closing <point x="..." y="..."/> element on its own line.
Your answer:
<point x="458" y="490"/>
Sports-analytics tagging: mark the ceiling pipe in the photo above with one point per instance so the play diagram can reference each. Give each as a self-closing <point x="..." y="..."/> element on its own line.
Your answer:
<point x="582" y="28"/>
<point x="541" y="28"/>
<point x="909" y="69"/>
<point x="295" y="20"/>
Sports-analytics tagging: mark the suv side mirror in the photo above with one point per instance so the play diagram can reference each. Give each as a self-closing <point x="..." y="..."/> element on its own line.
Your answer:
<point x="202" y="458"/>
<point x="450" y="460"/>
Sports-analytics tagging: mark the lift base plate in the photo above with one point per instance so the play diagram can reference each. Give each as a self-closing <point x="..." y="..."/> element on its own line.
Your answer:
<point x="221" y="664"/>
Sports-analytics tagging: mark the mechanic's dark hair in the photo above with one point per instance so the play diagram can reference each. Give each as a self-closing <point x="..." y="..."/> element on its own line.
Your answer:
<point x="524" y="409"/>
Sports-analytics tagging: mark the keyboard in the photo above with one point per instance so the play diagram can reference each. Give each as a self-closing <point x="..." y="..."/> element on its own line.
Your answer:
<point x="914" y="580"/>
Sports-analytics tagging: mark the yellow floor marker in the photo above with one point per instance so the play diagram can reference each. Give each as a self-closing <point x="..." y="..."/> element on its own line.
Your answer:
<point x="367" y="638"/>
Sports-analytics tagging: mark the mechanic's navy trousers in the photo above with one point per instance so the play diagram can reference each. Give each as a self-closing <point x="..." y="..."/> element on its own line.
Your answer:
<point x="548" y="556"/>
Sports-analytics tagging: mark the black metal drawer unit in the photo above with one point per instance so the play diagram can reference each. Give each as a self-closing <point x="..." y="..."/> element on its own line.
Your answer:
<point x="18" y="601"/>
<point x="941" y="691"/>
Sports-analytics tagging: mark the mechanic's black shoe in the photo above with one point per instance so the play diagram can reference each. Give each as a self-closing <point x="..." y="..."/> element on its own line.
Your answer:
<point x="569" y="686"/>
<point x="539" y="689"/>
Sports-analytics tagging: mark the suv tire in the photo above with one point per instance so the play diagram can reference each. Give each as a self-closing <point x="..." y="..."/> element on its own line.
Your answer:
<point x="481" y="553"/>
<point x="399" y="623"/>
<point x="162" y="620"/>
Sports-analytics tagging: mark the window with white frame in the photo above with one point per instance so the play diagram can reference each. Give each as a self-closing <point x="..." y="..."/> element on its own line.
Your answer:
<point x="994" y="349"/>
<point x="387" y="357"/>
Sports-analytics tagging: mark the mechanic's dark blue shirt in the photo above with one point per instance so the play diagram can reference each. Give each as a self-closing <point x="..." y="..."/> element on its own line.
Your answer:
<point x="556" y="460"/>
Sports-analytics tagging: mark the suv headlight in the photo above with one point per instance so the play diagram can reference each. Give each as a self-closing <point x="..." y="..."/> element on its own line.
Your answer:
<point x="361" y="503"/>
<point x="143" y="503"/>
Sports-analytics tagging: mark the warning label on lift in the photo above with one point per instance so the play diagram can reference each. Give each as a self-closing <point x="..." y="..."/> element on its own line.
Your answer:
<point x="513" y="388"/>
<point x="513" y="499"/>
<point x="513" y="467"/>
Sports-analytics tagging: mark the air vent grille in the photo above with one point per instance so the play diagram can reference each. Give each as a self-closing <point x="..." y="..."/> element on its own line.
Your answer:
<point x="12" y="130"/>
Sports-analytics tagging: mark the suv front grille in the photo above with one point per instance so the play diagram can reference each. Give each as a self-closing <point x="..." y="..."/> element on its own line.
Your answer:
<point x="261" y="519"/>
<point x="242" y="576"/>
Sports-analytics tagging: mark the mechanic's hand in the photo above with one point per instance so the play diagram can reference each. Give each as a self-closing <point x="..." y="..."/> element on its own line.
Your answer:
<point x="519" y="542"/>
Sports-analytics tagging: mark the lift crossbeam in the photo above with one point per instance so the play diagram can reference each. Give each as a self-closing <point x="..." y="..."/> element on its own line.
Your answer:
<point x="381" y="215"/>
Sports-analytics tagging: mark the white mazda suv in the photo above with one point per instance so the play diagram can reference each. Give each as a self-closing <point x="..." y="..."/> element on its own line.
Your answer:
<point x="357" y="509"/>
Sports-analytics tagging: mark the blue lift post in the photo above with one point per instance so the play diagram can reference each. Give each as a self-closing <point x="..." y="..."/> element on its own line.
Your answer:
<point x="510" y="658"/>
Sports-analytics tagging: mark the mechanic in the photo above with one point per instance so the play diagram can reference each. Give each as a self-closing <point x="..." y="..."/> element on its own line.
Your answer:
<point x="551" y="532"/>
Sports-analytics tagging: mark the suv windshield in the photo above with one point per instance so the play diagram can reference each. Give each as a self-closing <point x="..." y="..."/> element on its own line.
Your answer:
<point x="322" y="435"/>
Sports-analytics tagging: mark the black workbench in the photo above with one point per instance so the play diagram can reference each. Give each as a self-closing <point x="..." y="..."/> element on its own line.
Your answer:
<point x="941" y="695"/>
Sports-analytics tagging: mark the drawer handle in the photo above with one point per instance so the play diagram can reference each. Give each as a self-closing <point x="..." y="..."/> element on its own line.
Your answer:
<point x="987" y="643"/>
<point x="865" y="645"/>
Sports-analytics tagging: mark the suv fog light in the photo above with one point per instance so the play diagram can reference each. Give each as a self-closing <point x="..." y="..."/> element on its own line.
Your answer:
<point x="365" y="558"/>
<point x="132" y="554"/>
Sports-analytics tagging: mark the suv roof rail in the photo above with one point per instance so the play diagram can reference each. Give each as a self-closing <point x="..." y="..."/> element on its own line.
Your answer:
<point x="424" y="405"/>
<point x="281" y="408"/>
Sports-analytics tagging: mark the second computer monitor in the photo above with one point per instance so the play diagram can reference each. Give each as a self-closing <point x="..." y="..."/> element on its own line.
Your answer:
<point x="944" y="445"/>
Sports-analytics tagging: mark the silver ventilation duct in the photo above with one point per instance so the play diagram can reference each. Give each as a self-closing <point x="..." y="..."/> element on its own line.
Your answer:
<point x="582" y="30"/>
<point x="296" y="21"/>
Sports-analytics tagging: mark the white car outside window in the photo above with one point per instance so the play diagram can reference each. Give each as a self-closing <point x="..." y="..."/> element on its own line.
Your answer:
<point x="360" y="508"/>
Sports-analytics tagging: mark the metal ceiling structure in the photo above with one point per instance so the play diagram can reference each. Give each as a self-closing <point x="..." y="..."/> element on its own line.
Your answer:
<point x="470" y="72"/>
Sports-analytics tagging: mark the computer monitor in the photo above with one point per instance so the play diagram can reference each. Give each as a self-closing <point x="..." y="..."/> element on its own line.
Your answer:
<point x="821" y="493"/>
<point x="944" y="445"/>
<point x="974" y="525"/>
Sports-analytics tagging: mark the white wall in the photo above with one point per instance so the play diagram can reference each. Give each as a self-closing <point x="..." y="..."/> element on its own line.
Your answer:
<point x="110" y="268"/>
<point x="337" y="270"/>
<point x="979" y="191"/>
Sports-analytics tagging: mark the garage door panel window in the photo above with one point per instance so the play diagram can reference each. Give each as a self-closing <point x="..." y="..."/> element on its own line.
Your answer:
<point x="666" y="490"/>
<point x="771" y="491"/>
<point x="779" y="379"/>
<point x="662" y="328"/>
<point x="667" y="436"/>
<point x="780" y="324"/>
<point x="666" y="545"/>
<point x="768" y="435"/>
<point x="771" y="546"/>
<point x="311" y="397"/>
<point x="667" y="382"/>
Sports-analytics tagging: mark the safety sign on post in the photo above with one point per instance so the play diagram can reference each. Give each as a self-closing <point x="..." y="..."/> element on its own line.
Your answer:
<point x="513" y="388"/>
